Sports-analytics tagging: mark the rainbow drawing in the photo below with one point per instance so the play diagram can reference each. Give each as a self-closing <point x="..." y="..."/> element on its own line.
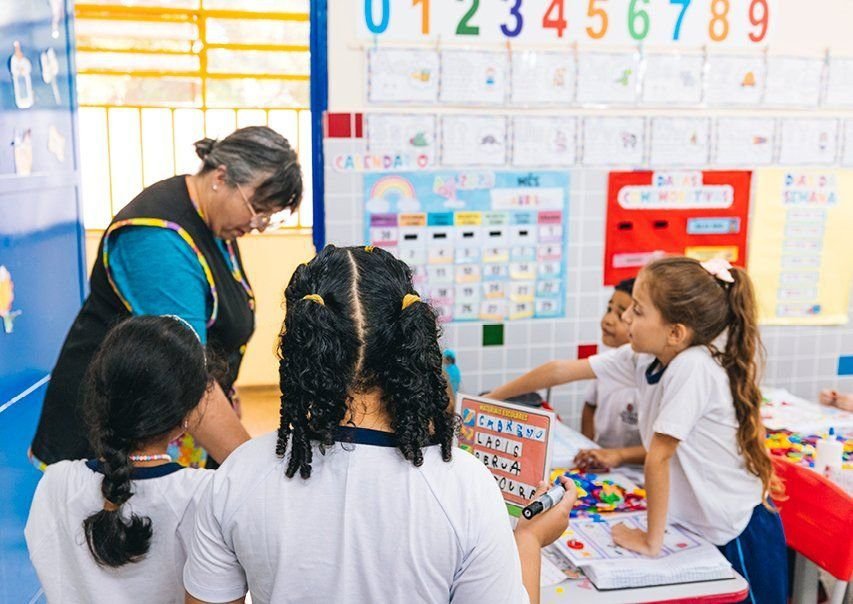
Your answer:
<point x="392" y="189"/>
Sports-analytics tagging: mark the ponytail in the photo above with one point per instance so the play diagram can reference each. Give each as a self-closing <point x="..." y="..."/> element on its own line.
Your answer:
<point x="113" y="539"/>
<point x="319" y="351"/>
<point x="743" y="358"/>
<point x="414" y="386"/>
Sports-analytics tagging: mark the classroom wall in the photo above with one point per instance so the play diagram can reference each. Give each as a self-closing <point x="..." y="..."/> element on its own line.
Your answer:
<point x="803" y="359"/>
<point x="270" y="260"/>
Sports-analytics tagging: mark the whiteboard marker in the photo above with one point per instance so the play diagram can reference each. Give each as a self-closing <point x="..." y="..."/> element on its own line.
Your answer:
<point x="545" y="502"/>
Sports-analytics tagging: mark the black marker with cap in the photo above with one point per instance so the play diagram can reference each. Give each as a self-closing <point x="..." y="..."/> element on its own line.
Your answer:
<point x="544" y="502"/>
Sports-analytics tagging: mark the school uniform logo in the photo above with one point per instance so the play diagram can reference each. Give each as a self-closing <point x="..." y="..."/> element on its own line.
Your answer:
<point x="629" y="415"/>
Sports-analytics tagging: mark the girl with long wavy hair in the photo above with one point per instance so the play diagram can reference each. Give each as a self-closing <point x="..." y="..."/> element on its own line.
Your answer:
<point x="695" y="355"/>
<point x="361" y="496"/>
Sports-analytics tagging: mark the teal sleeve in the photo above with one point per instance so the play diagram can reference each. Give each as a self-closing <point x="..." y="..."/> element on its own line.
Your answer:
<point x="158" y="273"/>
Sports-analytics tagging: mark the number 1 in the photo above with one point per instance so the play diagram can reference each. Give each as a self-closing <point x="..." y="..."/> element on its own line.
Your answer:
<point x="684" y="4"/>
<point x="424" y="15"/>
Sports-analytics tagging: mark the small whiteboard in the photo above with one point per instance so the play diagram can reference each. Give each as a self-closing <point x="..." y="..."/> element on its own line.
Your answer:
<point x="512" y="441"/>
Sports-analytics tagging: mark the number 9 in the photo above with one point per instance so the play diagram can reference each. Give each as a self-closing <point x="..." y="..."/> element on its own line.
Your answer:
<point x="761" y="22"/>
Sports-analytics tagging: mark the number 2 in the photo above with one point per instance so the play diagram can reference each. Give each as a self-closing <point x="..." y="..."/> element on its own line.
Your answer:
<point x="464" y="29"/>
<point x="684" y="4"/>
<point x="515" y="11"/>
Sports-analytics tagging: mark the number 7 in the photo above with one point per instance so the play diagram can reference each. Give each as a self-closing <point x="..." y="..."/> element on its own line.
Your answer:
<point x="684" y="4"/>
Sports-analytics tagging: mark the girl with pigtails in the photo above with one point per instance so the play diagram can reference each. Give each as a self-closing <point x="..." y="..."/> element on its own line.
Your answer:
<point x="695" y="356"/>
<point x="361" y="496"/>
<point x="117" y="528"/>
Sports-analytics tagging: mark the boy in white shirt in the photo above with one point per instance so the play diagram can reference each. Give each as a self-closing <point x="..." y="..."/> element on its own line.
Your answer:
<point x="610" y="415"/>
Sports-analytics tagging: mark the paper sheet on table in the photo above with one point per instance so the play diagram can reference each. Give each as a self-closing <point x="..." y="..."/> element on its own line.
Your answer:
<point x="565" y="444"/>
<point x="785" y="411"/>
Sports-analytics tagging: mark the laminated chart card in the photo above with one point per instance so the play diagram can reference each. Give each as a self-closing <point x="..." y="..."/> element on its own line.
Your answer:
<point x="613" y="141"/>
<point x="839" y="82"/>
<point x="744" y="141"/>
<point x="483" y="245"/>
<point x="808" y="141"/>
<point x="672" y="79"/>
<point x="651" y="214"/>
<point x="405" y="140"/>
<point x="847" y="151"/>
<point x="680" y="141"/>
<point x="544" y="140"/>
<point x="473" y="140"/>
<point x="473" y="77"/>
<point x="801" y="219"/>
<point x="793" y="81"/>
<point x="607" y="78"/>
<point x="512" y="441"/>
<point x="543" y="78"/>
<point x="734" y="79"/>
<point x="402" y="75"/>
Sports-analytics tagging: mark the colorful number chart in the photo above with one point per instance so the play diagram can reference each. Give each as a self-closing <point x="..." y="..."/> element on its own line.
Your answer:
<point x="691" y="213"/>
<point x="483" y="245"/>
<point x="512" y="441"/>
<point x="660" y="22"/>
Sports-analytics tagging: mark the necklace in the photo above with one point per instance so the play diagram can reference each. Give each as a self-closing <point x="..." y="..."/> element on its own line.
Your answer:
<point x="157" y="457"/>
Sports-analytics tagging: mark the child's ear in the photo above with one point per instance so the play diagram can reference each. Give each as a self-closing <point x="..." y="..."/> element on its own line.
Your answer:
<point x="679" y="335"/>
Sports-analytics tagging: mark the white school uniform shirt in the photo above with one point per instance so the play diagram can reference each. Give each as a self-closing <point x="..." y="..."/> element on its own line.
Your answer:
<point x="711" y="491"/>
<point x="367" y="526"/>
<point x="616" y="414"/>
<point x="70" y="491"/>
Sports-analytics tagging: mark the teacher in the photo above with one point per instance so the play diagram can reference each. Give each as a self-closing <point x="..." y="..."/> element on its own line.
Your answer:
<point x="173" y="251"/>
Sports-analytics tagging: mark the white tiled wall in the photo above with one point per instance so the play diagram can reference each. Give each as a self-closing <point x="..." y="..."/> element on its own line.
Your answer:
<point x="802" y="359"/>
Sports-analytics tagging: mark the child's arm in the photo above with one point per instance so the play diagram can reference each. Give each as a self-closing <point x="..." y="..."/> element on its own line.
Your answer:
<point x="550" y="374"/>
<point x="588" y="421"/>
<point x="657" y="500"/>
<point x="609" y="458"/>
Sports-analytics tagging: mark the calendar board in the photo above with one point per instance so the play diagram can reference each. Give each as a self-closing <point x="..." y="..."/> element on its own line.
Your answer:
<point x="483" y="245"/>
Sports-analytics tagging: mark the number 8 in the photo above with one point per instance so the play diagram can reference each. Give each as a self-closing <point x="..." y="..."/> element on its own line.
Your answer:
<point x="719" y="17"/>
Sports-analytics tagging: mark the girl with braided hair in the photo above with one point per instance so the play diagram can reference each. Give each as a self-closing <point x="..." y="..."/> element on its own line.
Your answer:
<point x="116" y="528"/>
<point x="361" y="496"/>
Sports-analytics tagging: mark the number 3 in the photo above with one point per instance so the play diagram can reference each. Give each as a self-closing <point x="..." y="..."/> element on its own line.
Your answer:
<point x="515" y="11"/>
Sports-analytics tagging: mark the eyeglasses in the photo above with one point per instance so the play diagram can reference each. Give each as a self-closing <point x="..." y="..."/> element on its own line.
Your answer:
<point x="259" y="221"/>
<point x="264" y="221"/>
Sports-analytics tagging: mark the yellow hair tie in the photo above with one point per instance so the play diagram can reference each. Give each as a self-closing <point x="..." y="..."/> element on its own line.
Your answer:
<point x="316" y="298"/>
<point x="368" y="248"/>
<point x="410" y="299"/>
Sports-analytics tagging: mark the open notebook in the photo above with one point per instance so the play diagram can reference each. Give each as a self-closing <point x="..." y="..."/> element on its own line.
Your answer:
<point x="685" y="558"/>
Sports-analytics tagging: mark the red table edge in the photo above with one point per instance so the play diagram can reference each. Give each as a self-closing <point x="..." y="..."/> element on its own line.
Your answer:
<point x="728" y="598"/>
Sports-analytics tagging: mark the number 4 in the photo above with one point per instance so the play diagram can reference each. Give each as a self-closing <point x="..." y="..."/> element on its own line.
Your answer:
<point x="559" y="23"/>
<point x="684" y="4"/>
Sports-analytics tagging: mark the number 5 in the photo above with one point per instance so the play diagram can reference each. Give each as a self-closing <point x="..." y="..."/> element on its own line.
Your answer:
<point x="591" y="12"/>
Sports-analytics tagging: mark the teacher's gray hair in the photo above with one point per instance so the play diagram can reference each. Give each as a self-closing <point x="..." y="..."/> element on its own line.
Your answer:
<point x="253" y="153"/>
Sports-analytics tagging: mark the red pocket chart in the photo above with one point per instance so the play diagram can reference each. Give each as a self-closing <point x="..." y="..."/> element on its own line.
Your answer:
<point x="701" y="214"/>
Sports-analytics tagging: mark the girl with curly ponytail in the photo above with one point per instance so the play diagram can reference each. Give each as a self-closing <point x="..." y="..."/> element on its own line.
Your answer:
<point x="361" y="496"/>
<point x="116" y="528"/>
<point x="695" y="355"/>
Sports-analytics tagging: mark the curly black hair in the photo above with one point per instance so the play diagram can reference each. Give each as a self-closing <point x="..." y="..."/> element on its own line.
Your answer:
<point x="148" y="375"/>
<point x="360" y="339"/>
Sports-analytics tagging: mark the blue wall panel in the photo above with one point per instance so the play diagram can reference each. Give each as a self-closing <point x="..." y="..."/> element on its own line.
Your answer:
<point x="41" y="245"/>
